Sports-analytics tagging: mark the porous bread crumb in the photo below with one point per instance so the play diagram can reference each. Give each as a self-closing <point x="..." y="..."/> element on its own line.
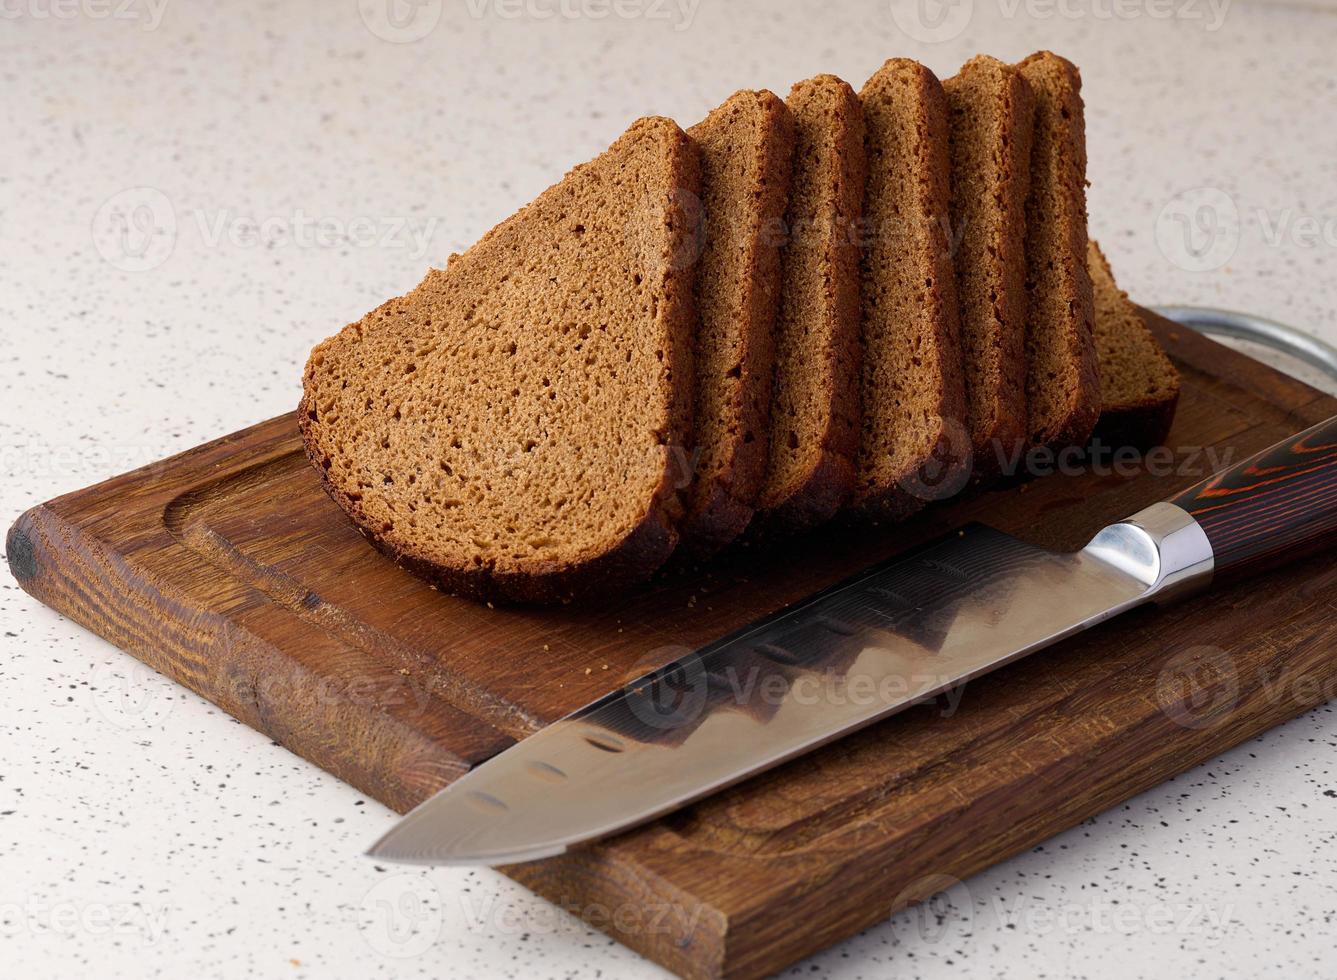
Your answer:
<point x="746" y="147"/>
<point x="992" y="114"/>
<point x="1062" y="380"/>
<point x="913" y="394"/>
<point x="814" y="415"/>
<point x="1138" y="383"/>
<point x="508" y="428"/>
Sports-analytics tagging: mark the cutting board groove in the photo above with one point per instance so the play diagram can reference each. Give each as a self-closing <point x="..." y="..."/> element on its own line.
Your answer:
<point x="227" y="569"/>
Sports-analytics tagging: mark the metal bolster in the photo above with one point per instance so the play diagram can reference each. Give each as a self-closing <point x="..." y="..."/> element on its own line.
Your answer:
<point x="1162" y="547"/>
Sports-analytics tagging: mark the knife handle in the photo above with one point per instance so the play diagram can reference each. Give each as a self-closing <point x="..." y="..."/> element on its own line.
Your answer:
<point x="1276" y="506"/>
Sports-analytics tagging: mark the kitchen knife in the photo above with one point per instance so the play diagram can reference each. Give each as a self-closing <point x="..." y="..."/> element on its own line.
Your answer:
<point x="895" y="634"/>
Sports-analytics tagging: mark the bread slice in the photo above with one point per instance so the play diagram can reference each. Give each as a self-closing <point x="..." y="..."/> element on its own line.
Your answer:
<point x="1138" y="383"/>
<point x="746" y="147"/>
<point x="814" y="427"/>
<point x="507" y="429"/>
<point x="913" y="442"/>
<point x="992" y="113"/>
<point x="1062" y="384"/>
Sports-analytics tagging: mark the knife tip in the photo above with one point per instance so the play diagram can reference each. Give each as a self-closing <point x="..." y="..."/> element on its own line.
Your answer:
<point x="384" y="850"/>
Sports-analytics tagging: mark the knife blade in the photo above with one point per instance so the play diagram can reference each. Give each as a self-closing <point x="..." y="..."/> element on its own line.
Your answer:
<point x="893" y="635"/>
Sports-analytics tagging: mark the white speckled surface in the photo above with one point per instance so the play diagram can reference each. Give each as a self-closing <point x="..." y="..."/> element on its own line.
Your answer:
<point x="144" y="833"/>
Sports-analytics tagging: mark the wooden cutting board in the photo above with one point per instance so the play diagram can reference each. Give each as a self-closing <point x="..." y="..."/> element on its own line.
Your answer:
<point x="229" y="570"/>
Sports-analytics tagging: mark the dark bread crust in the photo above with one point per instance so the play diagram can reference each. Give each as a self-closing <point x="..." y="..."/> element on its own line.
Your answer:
<point x="914" y="445"/>
<point x="993" y="113"/>
<point x="747" y="148"/>
<point x="1063" y="383"/>
<point x="633" y="560"/>
<point x="664" y="247"/>
<point x="819" y="498"/>
<point x="818" y="329"/>
<point x="1140" y="383"/>
<point x="1139" y="428"/>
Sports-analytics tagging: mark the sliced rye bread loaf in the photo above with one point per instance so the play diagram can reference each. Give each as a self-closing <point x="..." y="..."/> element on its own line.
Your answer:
<point x="1138" y="383"/>
<point x="992" y="113"/>
<point x="814" y="426"/>
<point x="913" y="442"/>
<point x="1062" y="382"/>
<point x="746" y="147"/>
<point x="508" y="428"/>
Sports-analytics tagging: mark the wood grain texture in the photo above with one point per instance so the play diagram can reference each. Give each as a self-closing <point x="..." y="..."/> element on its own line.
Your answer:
<point x="1275" y="507"/>
<point x="229" y="570"/>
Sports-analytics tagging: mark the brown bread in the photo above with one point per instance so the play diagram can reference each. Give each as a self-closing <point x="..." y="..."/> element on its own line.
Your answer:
<point x="1062" y="383"/>
<point x="508" y="428"/>
<point x="814" y="434"/>
<point x="914" y="445"/>
<point x="1139" y="384"/>
<point x="746" y="148"/>
<point x="992" y="112"/>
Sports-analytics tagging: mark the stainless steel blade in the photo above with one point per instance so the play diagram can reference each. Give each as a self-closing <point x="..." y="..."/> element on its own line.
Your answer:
<point x="893" y="635"/>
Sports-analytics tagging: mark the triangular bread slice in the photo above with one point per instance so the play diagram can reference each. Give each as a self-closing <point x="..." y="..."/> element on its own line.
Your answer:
<point x="1139" y="385"/>
<point x="814" y="433"/>
<point x="1062" y="383"/>
<point x="914" y="445"/>
<point x="992" y="112"/>
<point x="746" y="148"/>
<point x="509" y="428"/>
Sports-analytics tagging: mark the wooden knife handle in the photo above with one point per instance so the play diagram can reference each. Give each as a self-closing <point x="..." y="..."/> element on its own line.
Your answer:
<point x="1276" y="506"/>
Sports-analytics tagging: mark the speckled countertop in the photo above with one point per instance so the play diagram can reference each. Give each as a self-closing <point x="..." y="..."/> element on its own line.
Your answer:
<point x="286" y="166"/>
